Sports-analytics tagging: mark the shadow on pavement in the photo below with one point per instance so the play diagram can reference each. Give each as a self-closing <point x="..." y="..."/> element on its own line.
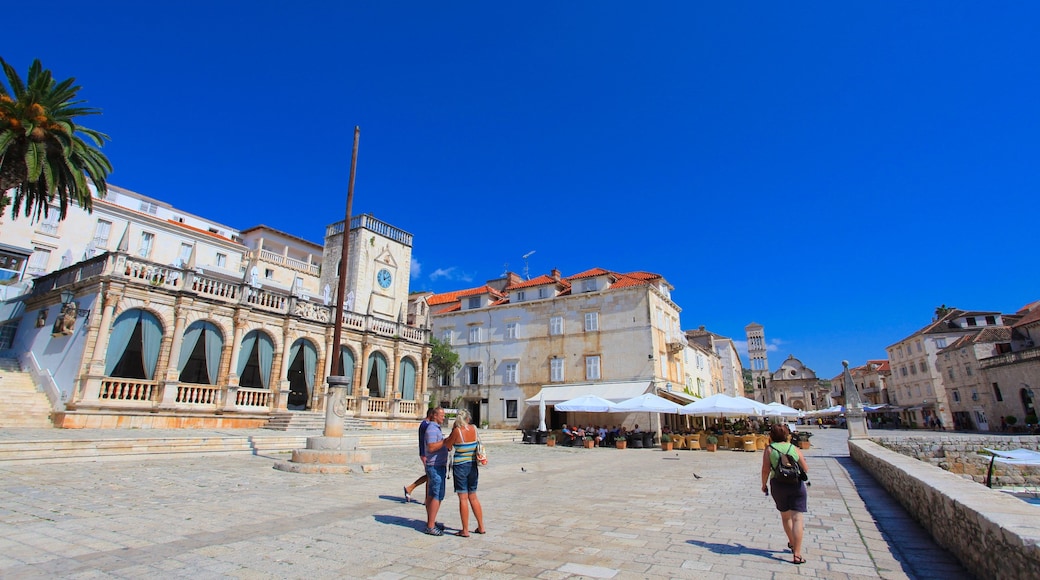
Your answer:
<point x="738" y="549"/>
<point x="412" y="523"/>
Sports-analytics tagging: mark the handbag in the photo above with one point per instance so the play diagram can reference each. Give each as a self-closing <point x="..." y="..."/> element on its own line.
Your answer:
<point x="482" y="456"/>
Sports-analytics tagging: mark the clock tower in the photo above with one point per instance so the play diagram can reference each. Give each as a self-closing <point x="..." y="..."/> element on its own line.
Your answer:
<point x="378" y="267"/>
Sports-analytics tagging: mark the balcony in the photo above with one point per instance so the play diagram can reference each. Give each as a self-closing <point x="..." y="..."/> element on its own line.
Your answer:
<point x="290" y="263"/>
<point x="1010" y="358"/>
<point x="135" y="271"/>
<point x="676" y="343"/>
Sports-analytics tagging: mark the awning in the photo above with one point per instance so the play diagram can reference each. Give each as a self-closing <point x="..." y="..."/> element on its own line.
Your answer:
<point x="681" y="397"/>
<point x="613" y="392"/>
<point x="1016" y="456"/>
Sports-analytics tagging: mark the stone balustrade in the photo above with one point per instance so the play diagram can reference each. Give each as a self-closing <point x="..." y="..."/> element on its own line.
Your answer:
<point x="136" y="270"/>
<point x="992" y="533"/>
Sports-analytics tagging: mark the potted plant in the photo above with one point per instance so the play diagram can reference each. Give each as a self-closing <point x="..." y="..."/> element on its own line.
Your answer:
<point x="801" y="439"/>
<point x="713" y="443"/>
<point x="550" y="441"/>
<point x="588" y="442"/>
<point x="666" y="442"/>
<point x="620" y="442"/>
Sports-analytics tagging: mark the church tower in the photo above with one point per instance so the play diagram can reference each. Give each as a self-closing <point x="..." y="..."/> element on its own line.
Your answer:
<point x="756" y="346"/>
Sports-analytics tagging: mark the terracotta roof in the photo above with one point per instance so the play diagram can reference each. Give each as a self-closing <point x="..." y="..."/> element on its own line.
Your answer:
<point x="1030" y="318"/>
<point x="448" y="297"/>
<point x="542" y="280"/>
<point x="590" y="274"/>
<point x="994" y="334"/>
<point x="200" y="230"/>
<point x="627" y="280"/>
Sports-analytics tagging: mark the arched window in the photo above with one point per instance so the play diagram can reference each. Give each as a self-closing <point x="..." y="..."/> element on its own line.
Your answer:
<point x="407" y="383"/>
<point x="303" y="358"/>
<point x="133" y="345"/>
<point x="200" y="353"/>
<point x="376" y="381"/>
<point x="346" y="366"/>
<point x="254" y="360"/>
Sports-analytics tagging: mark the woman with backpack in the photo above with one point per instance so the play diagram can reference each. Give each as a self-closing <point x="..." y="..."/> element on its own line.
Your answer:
<point x="785" y="466"/>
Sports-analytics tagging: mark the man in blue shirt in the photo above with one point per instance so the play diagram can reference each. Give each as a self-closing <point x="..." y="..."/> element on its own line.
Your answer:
<point x="408" y="489"/>
<point x="436" y="471"/>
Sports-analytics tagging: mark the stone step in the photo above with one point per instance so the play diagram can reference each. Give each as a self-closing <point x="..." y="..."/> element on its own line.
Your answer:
<point x="59" y="450"/>
<point x="309" y="421"/>
<point x="23" y="405"/>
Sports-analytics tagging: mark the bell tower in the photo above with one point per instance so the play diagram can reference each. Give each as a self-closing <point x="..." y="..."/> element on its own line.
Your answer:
<point x="756" y="346"/>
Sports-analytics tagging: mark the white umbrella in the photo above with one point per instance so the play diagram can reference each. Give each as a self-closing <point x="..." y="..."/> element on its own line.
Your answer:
<point x="647" y="403"/>
<point x="541" y="411"/>
<point x="782" y="410"/>
<point x="723" y="405"/>
<point x="586" y="404"/>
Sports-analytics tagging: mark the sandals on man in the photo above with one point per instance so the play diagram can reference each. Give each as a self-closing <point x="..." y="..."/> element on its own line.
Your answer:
<point x="462" y="534"/>
<point x="798" y="560"/>
<point x="480" y="531"/>
<point x="434" y="531"/>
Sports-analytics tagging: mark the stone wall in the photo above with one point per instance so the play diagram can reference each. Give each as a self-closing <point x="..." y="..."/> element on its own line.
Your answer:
<point x="993" y="534"/>
<point x="959" y="454"/>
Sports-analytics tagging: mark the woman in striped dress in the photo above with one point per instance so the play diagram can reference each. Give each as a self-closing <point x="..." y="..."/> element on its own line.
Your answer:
<point x="463" y="440"/>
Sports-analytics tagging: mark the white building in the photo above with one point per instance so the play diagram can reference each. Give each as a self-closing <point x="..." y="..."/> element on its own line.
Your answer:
<point x="598" y="332"/>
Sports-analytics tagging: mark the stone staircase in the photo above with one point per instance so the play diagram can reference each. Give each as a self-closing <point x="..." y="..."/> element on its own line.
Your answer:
<point x="22" y="405"/>
<point x="311" y="421"/>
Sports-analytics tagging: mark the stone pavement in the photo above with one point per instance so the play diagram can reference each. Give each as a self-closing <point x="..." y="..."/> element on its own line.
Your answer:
<point x="550" y="512"/>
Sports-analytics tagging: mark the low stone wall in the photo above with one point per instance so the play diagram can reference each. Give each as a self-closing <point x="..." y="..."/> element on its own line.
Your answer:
<point x="993" y="534"/>
<point x="959" y="454"/>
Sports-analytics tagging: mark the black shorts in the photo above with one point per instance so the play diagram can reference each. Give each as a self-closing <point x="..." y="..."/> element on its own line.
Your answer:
<point x="789" y="496"/>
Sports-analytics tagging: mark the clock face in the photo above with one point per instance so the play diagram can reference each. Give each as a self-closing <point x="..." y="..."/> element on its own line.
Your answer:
<point x="384" y="278"/>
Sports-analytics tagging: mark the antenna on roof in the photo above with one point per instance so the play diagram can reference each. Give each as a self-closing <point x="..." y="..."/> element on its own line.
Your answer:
<point x="527" y="270"/>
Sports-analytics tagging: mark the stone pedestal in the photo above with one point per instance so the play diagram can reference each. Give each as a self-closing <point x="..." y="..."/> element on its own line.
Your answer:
<point x="332" y="452"/>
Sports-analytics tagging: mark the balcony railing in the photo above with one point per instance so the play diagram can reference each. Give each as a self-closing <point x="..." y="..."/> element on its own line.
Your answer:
<point x="1010" y="358"/>
<point x="136" y="271"/>
<point x="292" y="264"/>
<point x="368" y="222"/>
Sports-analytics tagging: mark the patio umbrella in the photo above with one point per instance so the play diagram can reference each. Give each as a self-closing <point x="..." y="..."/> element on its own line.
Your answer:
<point x="782" y="410"/>
<point x="541" y="411"/>
<point x="586" y="404"/>
<point x="648" y="403"/>
<point x="724" y="406"/>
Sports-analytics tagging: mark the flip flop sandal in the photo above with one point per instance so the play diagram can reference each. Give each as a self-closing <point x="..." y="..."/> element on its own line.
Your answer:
<point x="798" y="560"/>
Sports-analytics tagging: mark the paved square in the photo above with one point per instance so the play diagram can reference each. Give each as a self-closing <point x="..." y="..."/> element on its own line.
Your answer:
<point x="550" y="513"/>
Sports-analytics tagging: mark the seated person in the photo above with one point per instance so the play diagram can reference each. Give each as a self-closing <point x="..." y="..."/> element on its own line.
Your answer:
<point x="601" y="435"/>
<point x="636" y="429"/>
<point x="568" y="435"/>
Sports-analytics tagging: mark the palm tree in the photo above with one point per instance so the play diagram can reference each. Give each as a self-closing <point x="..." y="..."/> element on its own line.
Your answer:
<point x="42" y="155"/>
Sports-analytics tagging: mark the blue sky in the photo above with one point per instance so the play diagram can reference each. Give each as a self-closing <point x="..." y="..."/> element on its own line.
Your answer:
<point x="832" y="172"/>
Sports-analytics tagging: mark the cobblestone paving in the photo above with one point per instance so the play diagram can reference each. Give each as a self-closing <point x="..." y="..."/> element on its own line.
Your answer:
<point x="551" y="513"/>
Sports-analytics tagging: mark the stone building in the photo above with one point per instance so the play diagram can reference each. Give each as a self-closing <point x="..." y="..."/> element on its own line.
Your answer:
<point x="915" y="383"/>
<point x="598" y="331"/>
<point x="797" y="385"/>
<point x="871" y="381"/>
<point x="1014" y="376"/>
<point x="972" y="401"/>
<point x="730" y="370"/>
<point x="177" y="321"/>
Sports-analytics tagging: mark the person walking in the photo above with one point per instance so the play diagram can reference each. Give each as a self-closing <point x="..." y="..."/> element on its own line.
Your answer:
<point x="463" y="440"/>
<point x="436" y="471"/>
<point x="408" y="489"/>
<point x="791" y="497"/>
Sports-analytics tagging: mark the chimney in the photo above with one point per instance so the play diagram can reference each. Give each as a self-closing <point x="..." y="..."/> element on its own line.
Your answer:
<point x="555" y="274"/>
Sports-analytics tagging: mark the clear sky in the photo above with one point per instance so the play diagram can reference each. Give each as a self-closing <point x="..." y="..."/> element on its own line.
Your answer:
<point x="832" y="172"/>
